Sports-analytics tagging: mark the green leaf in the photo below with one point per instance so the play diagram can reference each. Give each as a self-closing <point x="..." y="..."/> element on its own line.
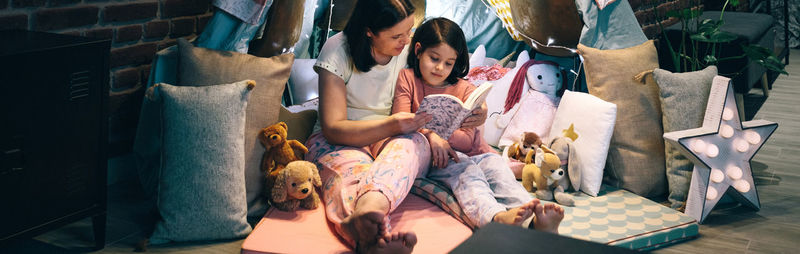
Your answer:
<point x="756" y="52"/>
<point x="735" y="2"/>
<point x="764" y="57"/>
<point x="714" y="36"/>
<point x="710" y="60"/>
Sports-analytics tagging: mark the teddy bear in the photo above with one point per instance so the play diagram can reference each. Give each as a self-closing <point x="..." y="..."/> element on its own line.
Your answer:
<point x="294" y="186"/>
<point x="532" y="100"/>
<point x="543" y="175"/>
<point x="279" y="151"/>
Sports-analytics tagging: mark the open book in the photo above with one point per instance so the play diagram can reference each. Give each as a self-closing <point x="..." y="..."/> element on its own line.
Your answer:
<point x="449" y="112"/>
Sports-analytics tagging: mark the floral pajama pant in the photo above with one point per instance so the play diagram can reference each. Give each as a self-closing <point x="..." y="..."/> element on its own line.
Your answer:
<point x="349" y="172"/>
<point x="483" y="184"/>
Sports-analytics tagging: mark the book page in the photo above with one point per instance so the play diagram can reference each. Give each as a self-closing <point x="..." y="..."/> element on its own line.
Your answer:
<point x="478" y="96"/>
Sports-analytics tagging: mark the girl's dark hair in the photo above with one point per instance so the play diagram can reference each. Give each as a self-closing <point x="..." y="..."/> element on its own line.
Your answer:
<point x="374" y="16"/>
<point x="432" y="33"/>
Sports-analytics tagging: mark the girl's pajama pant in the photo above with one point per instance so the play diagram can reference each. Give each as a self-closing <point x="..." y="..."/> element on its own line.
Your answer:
<point x="483" y="184"/>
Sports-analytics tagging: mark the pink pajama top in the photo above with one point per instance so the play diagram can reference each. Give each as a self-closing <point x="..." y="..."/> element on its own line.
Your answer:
<point x="409" y="92"/>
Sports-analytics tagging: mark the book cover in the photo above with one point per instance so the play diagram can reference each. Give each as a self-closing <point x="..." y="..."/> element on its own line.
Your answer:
<point x="449" y="112"/>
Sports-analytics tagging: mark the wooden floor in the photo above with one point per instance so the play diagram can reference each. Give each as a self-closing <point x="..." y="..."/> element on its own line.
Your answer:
<point x="729" y="229"/>
<point x="776" y="168"/>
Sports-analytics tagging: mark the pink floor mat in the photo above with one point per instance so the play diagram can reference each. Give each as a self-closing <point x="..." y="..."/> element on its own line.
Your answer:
<point x="307" y="231"/>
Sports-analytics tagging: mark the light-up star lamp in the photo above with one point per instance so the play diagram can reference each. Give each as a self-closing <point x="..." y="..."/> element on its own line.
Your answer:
<point x="721" y="151"/>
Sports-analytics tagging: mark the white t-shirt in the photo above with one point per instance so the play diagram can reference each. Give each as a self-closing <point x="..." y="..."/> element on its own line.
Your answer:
<point x="369" y="94"/>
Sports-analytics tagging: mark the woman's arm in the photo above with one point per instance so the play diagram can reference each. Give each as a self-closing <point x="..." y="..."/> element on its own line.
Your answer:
<point x="338" y="130"/>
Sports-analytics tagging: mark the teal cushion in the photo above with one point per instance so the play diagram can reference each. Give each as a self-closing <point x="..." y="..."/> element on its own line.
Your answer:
<point x="201" y="187"/>
<point x="683" y="102"/>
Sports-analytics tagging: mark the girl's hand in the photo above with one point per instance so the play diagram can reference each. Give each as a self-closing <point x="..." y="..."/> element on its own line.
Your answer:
<point x="477" y="118"/>
<point x="440" y="150"/>
<point x="410" y="122"/>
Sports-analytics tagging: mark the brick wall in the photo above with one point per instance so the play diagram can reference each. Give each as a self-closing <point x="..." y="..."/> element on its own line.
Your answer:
<point x="137" y="29"/>
<point x="649" y="12"/>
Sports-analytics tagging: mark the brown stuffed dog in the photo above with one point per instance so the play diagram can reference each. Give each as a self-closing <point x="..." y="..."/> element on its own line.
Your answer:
<point x="295" y="186"/>
<point x="279" y="151"/>
<point x="543" y="174"/>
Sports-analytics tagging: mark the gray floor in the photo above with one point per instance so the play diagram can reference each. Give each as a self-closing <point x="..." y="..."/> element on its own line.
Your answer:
<point x="731" y="229"/>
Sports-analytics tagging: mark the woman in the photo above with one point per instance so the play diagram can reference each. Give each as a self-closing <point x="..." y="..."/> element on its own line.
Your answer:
<point x="368" y="157"/>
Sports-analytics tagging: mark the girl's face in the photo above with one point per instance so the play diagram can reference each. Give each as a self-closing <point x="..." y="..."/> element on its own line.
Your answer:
<point x="391" y="41"/>
<point x="436" y="63"/>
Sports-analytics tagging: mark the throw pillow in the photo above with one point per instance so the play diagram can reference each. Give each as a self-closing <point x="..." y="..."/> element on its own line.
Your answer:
<point x="683" y="102"/>
<point x="636" y="155"/>
<point x="299" y="124"/>
<point x="201" y="193"/>
<point x="593" y="120"/>
<point x="201" y="67"/>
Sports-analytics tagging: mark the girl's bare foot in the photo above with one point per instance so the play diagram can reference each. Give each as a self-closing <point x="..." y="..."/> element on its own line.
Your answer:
<point x="547" y="217"/>
<point x="517" y="215"/>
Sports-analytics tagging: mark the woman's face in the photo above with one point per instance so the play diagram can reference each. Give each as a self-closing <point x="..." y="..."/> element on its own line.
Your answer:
<point x="436" y="63"/>
<point x="391" y="41"/>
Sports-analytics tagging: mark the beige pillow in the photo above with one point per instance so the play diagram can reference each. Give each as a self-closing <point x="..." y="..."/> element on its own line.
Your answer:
<point x="300" y="124"/>
<point x="636" y="156"/>
<point x="201" y="67"/>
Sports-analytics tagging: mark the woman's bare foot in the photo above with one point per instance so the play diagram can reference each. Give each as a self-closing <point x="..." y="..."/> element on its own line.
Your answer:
<point x="367" y="223"/>
<point x="516" y="215"/>
<point x="400" y="243"/>
<point x="547" y="217"/>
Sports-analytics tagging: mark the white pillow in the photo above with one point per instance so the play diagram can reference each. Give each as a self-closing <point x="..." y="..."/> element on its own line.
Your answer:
<point x="496" y="100"/>
<point x="303" y="81"/>
<point x="593" y="120"/>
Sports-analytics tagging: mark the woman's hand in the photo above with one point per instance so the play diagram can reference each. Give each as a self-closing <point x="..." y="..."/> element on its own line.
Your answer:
<point x="441" y="152"/>
<point x="477" y="118"/>
<point x="410" y="122"/>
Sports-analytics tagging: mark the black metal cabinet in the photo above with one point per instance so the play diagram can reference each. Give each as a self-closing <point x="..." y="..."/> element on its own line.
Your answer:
<point x="53" y="132"/>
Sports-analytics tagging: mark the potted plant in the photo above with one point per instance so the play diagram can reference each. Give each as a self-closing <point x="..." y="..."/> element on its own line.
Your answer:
<point x="701" y="42"/>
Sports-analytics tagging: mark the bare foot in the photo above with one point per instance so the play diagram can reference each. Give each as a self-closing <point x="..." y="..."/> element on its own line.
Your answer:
<point x="547" y="217"/>
<point x="399" y="243"/>
<point x="516" y="215"/>
<point x="367" y="223"/>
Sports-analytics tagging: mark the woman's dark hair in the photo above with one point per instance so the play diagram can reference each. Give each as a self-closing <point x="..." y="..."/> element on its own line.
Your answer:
<point x="374" y="16"/>
<point x="436" y="31"/>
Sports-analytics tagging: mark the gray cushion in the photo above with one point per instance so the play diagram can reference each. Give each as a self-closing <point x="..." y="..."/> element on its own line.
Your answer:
<point x="683" y="103"/>
<point x="201" y="193"/>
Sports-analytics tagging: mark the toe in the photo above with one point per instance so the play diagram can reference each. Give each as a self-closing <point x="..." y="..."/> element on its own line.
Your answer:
<point x="410" y="239"/>
<point x="538" y="210"/>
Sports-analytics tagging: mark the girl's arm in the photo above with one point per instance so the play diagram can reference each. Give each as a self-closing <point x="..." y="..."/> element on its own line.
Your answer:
<point x="440" y="148"/>
<point x="338" y="130"/>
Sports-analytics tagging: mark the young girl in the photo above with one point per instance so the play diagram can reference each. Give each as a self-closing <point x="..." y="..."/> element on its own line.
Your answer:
<point x="480" y="179"/>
